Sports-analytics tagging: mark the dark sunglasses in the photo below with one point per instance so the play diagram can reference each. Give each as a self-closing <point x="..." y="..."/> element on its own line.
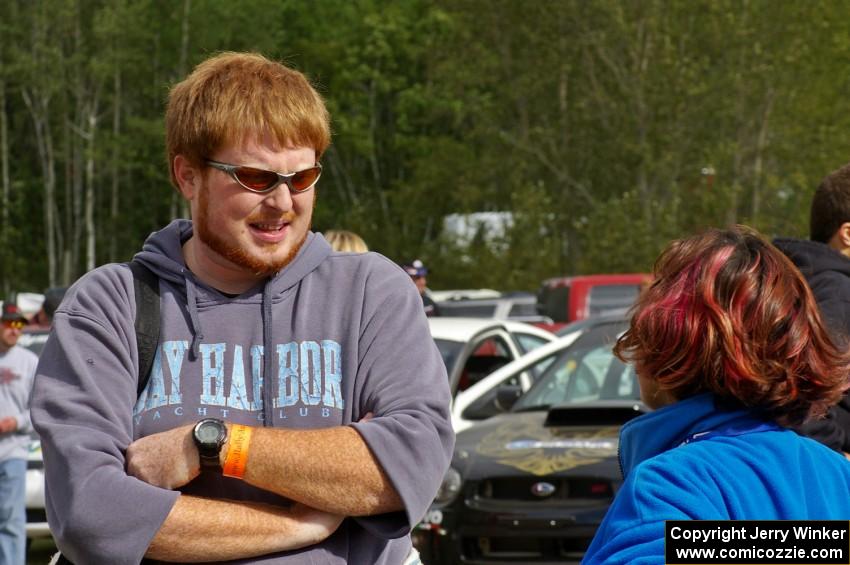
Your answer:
<point x="262" y="181"/>
<point x="14" y="324"/>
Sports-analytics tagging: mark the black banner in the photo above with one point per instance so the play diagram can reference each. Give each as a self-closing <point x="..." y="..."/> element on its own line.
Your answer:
<point x="758" y="542"/>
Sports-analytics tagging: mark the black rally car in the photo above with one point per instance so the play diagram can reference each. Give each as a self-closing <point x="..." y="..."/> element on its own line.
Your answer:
<point x="532" y="485"/>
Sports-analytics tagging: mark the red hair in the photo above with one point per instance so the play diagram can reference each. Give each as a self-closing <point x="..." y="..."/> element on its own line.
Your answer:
<point x="231" y="96"/>
<point x="728" y="313"/>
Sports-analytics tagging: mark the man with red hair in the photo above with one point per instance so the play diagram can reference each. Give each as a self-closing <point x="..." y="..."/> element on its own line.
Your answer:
<point x="824" y="261"/>
<point x="297" y="410"/>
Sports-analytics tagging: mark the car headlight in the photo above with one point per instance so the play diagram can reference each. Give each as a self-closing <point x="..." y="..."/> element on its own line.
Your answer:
<point x="450" y="487"/>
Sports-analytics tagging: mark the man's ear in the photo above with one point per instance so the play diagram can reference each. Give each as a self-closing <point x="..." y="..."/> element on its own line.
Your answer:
<point x="188" y="177"/>
<point x="843" y="235"/>
<point x="840" y="240"/>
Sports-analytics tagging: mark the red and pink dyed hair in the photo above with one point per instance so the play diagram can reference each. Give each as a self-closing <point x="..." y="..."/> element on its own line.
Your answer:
<point x="728" y="313"/>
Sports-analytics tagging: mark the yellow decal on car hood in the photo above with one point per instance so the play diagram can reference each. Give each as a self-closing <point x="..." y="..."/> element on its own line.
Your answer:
<point x="530" y="448"/>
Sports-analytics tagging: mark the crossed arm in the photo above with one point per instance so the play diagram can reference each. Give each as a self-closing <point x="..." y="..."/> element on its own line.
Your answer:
<point x="330" y="472"/>
<point x="204" y="530"/>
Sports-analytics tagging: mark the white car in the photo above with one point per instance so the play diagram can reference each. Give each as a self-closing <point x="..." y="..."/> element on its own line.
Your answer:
<point x="472" y="348"/>
<point x="518" y="306"/>
<point x="36" y="516"/>
<point x="443" y="295"/>
<point x="34" y="340"/>
<point x="482" y="399"/>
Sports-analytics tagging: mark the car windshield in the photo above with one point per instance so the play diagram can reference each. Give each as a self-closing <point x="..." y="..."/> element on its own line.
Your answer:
<point x="583" y="372"/>
<point x="527" y="342"/>
<point x="449" y="351"/>
<point x="577" y="326"/>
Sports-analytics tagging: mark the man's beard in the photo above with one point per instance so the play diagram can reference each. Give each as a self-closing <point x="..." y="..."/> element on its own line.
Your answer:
<point x="235" y="254"/>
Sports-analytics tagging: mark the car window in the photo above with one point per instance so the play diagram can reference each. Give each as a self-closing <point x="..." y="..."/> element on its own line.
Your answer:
<point x="611" y="297"/>
<point x="539" y="368"/>
<point x="449" y="351"/>
<point x="492" y="353"/>
<point x="522" y="309"/>
<point x="467" y="309"/>
<point x="584" y="372"/>
<point x="589" y="375"/>
<point x="578" y="325"/>
<point x="493" y="345"/>
<point x="527" y="342"/>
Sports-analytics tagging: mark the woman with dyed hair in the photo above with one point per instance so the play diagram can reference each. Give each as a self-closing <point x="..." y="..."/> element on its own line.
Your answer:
<point x="729" y="349"/>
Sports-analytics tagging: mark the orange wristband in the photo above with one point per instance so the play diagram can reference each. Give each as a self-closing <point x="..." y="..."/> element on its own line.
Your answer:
<point x="237" y="451"/>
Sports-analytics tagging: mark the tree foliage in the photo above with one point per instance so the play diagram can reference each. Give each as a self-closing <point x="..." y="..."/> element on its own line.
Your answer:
<point x="606" y="128"/>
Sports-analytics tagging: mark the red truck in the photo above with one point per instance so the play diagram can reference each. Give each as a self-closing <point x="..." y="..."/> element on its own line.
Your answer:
<point x="567" y="299"/>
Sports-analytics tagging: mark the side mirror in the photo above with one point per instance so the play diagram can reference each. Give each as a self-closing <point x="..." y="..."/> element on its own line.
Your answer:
<point x="506" y="396"/>
<point x="481" y="409"/>
<point x="495" y="401"/>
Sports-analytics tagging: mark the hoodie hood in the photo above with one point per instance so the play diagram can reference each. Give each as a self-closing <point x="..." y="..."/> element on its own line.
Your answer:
<point x="827" y="273"/>
<point x="813" y="257"/>
<point x="162" y="253"/>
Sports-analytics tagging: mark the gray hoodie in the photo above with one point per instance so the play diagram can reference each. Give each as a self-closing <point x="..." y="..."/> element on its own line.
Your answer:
<point x="347" y="335"/>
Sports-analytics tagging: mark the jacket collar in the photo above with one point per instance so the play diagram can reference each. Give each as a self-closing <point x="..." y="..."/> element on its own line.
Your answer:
<point x="666" y="428"/>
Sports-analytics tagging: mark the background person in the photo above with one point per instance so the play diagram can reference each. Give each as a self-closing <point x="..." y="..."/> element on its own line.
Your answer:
<point x="52" y="298"/>
<point x="274" y="351"/>
<point x="345" y="241"/>
<point x="729" y="350"/>
<point x="824" y="261"/>
<point x="17" y="368"/>
<point x="417" y="271"/>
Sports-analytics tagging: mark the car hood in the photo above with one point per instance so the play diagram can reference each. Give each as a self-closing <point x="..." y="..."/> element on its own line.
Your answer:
<point x="520" y="444"/>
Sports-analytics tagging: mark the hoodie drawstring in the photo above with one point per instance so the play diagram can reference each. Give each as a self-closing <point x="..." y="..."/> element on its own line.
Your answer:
<point x="268" y="354"/>
<point x="192" y="303"/>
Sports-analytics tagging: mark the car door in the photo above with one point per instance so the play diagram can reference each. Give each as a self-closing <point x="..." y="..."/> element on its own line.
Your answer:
<point x="484" y="353"/>
<point x="480" y="402"/>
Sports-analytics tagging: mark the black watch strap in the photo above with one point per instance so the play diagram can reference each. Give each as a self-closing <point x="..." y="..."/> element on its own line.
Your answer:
<point x="210" y="460"/>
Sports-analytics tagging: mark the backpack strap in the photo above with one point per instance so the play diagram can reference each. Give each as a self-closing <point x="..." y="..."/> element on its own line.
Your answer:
<point x="146" y="287"/>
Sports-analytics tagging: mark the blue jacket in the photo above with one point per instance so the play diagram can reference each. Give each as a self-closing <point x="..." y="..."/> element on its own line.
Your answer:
<point x="734" y="466"/>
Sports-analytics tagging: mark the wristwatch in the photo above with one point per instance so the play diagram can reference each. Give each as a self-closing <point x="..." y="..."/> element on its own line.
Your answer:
<point x="209" y="435"/>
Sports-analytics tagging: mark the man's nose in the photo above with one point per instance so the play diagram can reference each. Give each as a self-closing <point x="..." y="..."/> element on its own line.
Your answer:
<point x="280" y="198"/>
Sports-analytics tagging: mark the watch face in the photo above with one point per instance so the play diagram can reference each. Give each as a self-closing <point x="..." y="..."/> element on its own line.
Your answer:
<point x="209" y="433"/>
